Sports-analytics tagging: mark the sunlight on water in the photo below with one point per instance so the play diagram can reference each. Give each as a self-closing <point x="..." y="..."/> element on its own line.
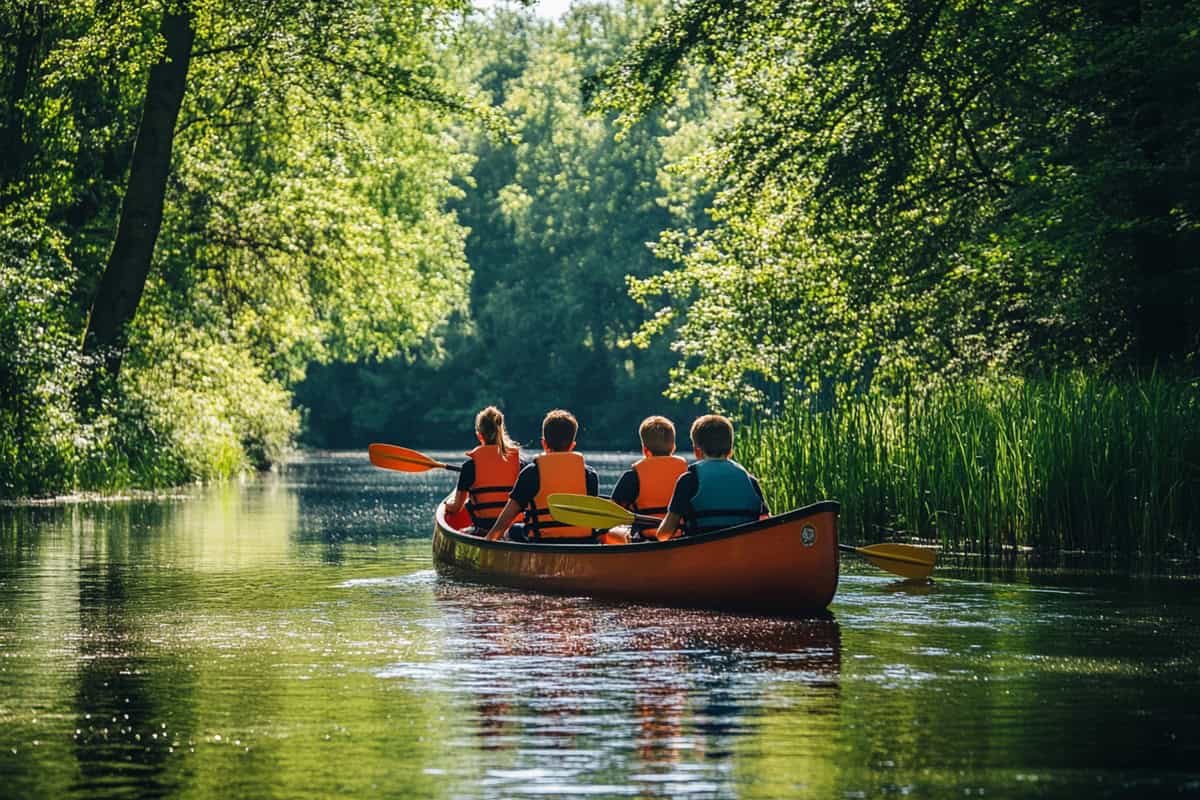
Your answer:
<point x="290" y="637"/>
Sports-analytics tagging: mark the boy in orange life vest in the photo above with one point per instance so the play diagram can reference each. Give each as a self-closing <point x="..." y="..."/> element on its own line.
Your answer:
<point x="715" y="492"/>
<point x="647" y="487"/>
<point x="558" y="469"/>
<point x="489" y="472"/>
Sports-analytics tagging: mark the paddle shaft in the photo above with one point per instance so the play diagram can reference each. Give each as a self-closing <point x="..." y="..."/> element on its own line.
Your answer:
<point x="431" y="465"/>
<point x="905" y="560"/>
<point x="862" y="551"/>
<point x="642" y="519"/>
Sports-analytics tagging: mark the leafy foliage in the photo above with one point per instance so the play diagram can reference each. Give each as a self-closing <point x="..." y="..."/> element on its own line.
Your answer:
<point x="557" y="221"/>
<point x="305" y="219"/>
<point x="935" y="188"/>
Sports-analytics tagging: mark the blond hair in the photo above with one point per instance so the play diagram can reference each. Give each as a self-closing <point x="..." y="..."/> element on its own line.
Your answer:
<point x="489" y="424"/>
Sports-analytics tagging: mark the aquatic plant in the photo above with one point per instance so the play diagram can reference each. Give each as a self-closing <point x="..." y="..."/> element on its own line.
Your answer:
<point x="1064" y="463"/>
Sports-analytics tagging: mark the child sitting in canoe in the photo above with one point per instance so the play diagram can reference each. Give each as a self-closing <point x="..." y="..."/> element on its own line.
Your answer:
<point x="558" y="469"/>
<point x="715" y="492"/>
<point x="489" y="472"/>
<point x="646" y="488"/>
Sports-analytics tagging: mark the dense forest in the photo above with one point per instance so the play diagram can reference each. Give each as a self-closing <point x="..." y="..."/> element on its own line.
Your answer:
<point x="226" y="226"/>
<point x="928" y="190"/>
<point x="558" y="216"/>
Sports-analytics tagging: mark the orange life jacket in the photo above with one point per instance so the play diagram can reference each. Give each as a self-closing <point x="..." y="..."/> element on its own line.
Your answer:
<point x="557" y="472"/>
<point x="656" y="483"/>
<point x="494" y="479"/>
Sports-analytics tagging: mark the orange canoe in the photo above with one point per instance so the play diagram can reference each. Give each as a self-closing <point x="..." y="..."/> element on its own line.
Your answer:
<point x="787" y="564"/>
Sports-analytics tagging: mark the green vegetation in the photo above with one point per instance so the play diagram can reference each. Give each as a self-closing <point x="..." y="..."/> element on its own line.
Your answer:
<point x="911" y="189"/>
<point x="911" y="198"/>
<point x="1069" y="462"/>
<point x="558" y="219"/>
<point x="210" y="196"/>
<point x="218" y="220"/>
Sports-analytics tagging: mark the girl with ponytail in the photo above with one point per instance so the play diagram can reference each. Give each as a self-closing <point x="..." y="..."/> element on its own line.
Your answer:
<point x="489" y="472"/>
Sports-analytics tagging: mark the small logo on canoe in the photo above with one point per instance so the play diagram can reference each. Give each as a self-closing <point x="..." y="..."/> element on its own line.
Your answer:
<point x="808" y="536"/>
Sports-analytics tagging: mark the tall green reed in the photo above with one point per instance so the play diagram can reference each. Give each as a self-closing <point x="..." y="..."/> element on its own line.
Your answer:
<point x="1065" y="463"/>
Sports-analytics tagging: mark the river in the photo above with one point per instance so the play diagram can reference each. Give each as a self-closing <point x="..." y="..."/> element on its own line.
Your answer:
<point x="288" y="637"/>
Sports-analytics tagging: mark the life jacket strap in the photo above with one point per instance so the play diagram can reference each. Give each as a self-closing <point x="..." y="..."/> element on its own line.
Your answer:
<point x="487" y="489"/>
<point x="541" y="520"/>
<point x="481" y="506"/>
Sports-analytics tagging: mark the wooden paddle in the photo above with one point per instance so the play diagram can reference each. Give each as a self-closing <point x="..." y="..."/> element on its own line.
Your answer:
<point x="401" y="459"/>
<point x="905" y="560"/>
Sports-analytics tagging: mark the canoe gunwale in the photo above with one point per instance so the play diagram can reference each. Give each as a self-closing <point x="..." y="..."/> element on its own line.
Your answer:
<point x="819" y="507"/>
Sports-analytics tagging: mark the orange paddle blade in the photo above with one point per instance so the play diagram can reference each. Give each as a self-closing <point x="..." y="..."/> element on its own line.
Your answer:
<point x="401" y="459"/>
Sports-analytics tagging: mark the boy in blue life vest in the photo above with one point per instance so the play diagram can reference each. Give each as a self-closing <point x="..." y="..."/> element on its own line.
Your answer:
<point x="558" y="469"/>
<point x="716" y="492"/>
<point x="647" y="487"/>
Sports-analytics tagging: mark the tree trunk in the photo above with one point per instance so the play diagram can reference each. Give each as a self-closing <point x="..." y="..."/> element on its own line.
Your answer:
<point x="128" y="266"/>
<point x="12" y="126"/>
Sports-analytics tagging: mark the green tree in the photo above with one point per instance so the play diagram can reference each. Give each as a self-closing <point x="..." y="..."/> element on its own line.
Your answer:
<point x="558" y="221"/>
<point x="929" y="188"/>
<point x="279" y="193"/>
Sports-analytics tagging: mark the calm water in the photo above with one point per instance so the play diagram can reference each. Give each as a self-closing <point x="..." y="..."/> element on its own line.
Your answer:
<point x="289" y="638"/>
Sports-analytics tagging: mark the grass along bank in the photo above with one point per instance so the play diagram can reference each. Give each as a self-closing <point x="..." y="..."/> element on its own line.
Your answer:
<point x="1065" y="463"/>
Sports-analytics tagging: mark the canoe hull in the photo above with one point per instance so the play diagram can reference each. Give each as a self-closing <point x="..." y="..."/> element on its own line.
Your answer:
<point x="785" y="565"/>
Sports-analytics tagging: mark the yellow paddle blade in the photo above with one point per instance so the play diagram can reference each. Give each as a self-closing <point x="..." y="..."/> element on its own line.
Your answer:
<point x="587" y="512"/>
<point x="905" y="560"/>
<point x="389" y="456"/>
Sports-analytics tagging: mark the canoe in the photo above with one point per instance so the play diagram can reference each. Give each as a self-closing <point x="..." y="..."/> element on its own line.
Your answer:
<point x="784" y="565"/>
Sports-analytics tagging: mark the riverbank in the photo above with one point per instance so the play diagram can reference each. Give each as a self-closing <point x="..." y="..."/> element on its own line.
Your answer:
<point x="1066" y="463"/>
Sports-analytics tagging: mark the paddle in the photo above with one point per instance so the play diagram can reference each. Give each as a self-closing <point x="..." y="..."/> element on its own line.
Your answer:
<point x="593" y="512"/>
<point x="401" y="459"/>
<point x="905" y="560"/>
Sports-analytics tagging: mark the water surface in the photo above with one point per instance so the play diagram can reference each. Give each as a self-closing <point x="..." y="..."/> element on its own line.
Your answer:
<point x="289" y="637"/>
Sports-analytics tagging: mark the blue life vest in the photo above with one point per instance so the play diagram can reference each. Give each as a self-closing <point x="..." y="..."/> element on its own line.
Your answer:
<point x="726" y="496"/>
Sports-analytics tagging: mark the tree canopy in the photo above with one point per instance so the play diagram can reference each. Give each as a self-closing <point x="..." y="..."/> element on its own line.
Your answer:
<point x="217" y="217"/>
<point x="928" y="188"/>
<point x="219" y="193"/>
<point x="558" y="219"/>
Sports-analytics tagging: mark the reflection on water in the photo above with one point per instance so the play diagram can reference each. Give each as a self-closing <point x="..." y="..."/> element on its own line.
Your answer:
<point x="288" y="637"/>
<point x="580" y="694"/>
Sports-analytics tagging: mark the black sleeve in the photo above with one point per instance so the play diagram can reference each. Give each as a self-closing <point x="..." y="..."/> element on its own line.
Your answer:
<point x="762" y="499"/>
<point x="526" y="487"/>
<point x="686" y="487"/>
<point x="627" y="489"/>
<point x="467" y="476"/>
<point x="593" y="481"/>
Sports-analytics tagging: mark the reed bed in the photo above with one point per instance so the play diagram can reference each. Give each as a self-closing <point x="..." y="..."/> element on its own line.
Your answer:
<point x="1066" y="463"/>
